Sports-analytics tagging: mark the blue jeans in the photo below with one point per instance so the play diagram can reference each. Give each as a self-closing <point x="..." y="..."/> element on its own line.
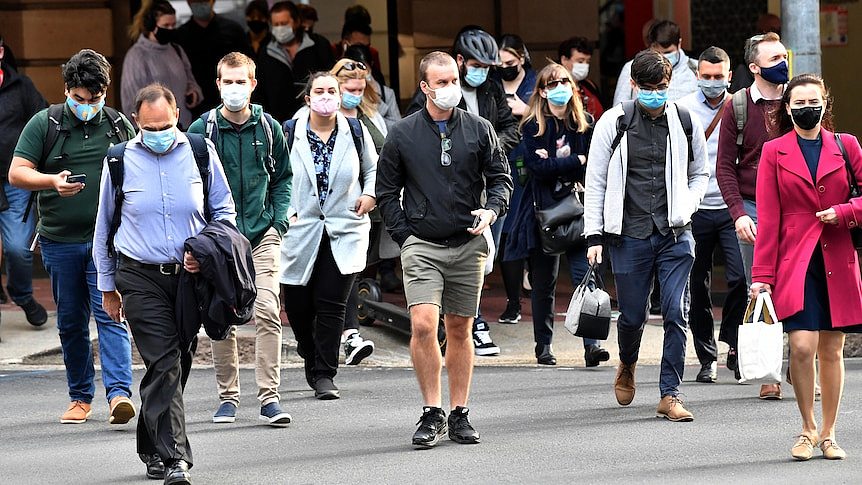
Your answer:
<point x="634" y="262"/>
<point x="16" y="244"/>
<point x="745" y="248"/>
<point x="73" y="282"/>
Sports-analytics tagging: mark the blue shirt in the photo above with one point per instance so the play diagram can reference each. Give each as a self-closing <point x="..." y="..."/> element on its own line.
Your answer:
<point x="163" y="206"/>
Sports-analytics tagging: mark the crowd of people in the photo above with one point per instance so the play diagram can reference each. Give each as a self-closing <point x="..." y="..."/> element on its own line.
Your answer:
<point x="280" y="145"/>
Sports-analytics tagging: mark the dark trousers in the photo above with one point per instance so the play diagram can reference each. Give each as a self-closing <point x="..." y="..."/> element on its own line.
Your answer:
<point x="149" y="301"/>
<point x="513" y="274"/>
<point x="316" y="312"/>
<point x="634" y="263"/>
<point x="713" y="228"/>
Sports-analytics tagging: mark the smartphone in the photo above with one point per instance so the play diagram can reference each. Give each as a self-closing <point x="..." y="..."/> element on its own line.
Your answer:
<point x="476" y="221"/>
<point x="75" y="179"/>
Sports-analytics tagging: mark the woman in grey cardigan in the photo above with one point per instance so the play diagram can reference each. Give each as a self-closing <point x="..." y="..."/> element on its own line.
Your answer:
<point x="326" y="243"/>
<point x="154" y="58"/>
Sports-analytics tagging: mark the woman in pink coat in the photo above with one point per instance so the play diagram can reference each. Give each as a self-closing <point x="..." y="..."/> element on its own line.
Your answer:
<point x="804" y="255"/>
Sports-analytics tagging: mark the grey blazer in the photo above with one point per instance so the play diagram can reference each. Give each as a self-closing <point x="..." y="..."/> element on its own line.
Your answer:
<point x="348" y="233"/>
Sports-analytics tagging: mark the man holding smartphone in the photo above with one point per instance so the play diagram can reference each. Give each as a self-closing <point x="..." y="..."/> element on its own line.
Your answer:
<point x="67" y="215"/>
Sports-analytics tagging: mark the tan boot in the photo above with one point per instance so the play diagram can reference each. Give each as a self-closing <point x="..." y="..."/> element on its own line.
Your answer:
<point x="122" y="410"/>
<point x="624" y="384"/>
<point x="671" y="408"/>
<point x="770" y="392"/>
<point x="77" y="413"/>
<point x="803" y="449"/>
<point x="831" y="450"/>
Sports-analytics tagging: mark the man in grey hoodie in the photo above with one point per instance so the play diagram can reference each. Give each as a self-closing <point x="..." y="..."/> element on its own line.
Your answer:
<point x="646" y="177"/>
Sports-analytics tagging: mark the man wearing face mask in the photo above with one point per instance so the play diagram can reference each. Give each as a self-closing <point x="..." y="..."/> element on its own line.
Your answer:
<point x="575" y="55"/>
<point x="258" y="170"/>
<point x="67" y="211"/>
<point x="663" y="37"/>
<point x="257" y="19"/>
<point x="286" y="62"/>
<point x="139" y="274"/>
<point x="206" y="38"/>
<point x="445" y="161"/>
<point x="647" y="174"/>
<point x="739" y="149"/>
<point x="713" y="226"/>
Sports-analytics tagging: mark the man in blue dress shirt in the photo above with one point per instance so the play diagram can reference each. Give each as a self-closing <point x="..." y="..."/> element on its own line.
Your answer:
<point x="163" y="206"/>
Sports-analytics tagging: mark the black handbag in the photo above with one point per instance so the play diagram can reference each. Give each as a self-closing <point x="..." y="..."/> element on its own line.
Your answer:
<point x="561" y="226"/>
<point x="856" y="232"/>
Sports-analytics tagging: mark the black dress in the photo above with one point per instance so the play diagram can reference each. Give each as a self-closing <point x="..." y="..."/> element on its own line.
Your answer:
<point x="815" y="313"/>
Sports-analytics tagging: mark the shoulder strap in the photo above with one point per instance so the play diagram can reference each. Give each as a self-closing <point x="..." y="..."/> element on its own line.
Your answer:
<point x="851" y="177"/>
<point x="202" y="159"/>
<point x="210" y="120"/>
<point x="740" y="109"/>
<point x="624" y="122"/>
<point x="289" y="128"/>
<point x="116" y="120"/>
<point x="267" y="122"/>
<point x="358" y="137"/>
<point x="685" y="119"/>
<point x="52" y="134"/>
<point x="115" y="170"/>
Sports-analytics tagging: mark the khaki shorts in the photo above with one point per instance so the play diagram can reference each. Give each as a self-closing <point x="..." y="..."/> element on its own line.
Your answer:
<point x="450" y="278"/>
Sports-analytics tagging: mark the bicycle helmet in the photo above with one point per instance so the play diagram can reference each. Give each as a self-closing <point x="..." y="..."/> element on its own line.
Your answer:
<point x="478" y="44"/>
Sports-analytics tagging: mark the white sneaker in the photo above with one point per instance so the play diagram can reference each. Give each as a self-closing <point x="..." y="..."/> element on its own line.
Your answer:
<point x="482" y="343"/>
<point x="356" y="349"/>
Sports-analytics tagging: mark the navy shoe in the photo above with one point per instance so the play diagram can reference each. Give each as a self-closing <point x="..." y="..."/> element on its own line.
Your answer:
<point x="274" y="416"/>
<point x="226" y="413"/>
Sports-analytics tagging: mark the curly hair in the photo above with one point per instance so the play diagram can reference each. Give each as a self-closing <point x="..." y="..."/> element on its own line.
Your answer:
<point x="89" y="70"/>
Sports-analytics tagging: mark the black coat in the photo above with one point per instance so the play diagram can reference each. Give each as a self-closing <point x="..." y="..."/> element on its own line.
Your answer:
<point x="223" y="292"/>
<point x="19" y="101"/>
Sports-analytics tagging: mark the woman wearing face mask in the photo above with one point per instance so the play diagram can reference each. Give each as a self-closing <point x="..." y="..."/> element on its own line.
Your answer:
<point x="326" y="243"/>
<point x="388" y="106"/>
<point x="156" y="58"/>
<point x="556" y="132"/>
<point x="804" y="255"/>
<point x="257" y="19"/>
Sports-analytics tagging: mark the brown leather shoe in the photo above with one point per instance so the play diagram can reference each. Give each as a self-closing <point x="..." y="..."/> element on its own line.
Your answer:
<point x="122" y="410"/>
<point x="671" y="408"/>
<point x="831" y="450"/>
<point x="77" y="413"/>
<point x="624" y="384"/>
<point x="770" y="392"/>
<point x="803" y="449"/>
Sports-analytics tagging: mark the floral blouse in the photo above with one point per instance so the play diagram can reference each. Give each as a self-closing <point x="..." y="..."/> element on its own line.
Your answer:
<point x="321" y="153"/>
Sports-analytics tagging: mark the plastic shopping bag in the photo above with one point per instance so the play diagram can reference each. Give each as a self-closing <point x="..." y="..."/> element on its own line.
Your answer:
<point x="761" y="343"/>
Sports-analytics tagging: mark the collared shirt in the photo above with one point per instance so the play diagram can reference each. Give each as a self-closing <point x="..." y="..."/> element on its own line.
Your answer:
<point x="645" y="207"/>
<point x="756" y="95"/>
<point x="704" y="112"/>
<point x="321" y="153"/>
<point x="163" y="206"/>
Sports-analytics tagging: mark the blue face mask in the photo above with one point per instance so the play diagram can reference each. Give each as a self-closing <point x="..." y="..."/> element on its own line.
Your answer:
<point x="560" y="95"/>
<point x="476" y="76"/>
<point x="652" y="99"/>
<point x="350" y="100"/>
<point x="672" y="57"/>
<point x="159" y="141"/>
<point x="83" y="111"/>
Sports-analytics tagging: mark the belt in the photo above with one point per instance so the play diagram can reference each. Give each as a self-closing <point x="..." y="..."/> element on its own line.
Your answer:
<point x="167" y="269"/>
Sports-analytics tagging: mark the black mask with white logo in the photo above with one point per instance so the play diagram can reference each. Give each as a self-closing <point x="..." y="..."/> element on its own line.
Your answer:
<point x="807" y="118"/>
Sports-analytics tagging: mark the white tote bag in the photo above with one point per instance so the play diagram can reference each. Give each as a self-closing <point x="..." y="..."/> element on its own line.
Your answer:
<point x="761" y="343"/>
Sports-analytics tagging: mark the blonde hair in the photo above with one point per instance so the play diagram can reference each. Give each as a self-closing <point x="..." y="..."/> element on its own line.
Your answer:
<point x="538" y="108"/>
<point x="370" y="99"/>
<point x="236" y="59"/>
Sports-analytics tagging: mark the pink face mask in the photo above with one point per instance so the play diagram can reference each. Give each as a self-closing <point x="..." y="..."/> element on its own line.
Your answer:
<point x="325" y="104"/>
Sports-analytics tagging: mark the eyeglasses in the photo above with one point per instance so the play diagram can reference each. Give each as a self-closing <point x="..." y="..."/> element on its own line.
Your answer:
<point x="445" y="146"/>
<point x="556" y="82"/>
<point x="659" y="88"/>
<point x="352" y="66"/>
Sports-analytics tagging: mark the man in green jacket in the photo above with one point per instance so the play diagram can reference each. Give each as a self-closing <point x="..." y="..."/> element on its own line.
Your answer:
<point x="253" y="151"/>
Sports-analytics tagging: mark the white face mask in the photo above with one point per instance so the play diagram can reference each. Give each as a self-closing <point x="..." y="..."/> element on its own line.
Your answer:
<point x="235" y="96"/>
<point x="283" y="33"/>
<point x="580" y="71"/>
<point x="448" y="97"/>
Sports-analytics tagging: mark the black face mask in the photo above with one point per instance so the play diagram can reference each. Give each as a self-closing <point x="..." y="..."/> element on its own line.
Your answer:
<point x="165" y="36"/>
<point x="806" y="118"/>
<point x="509" y="73"/>
<point x="257" y="26"/>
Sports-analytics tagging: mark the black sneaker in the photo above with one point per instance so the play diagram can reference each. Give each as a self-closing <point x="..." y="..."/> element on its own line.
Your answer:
<point x="511" y="315"/>
<point x="325" y="389"/>
<point x="432" y="427"/>
<point x="36" y="314"/>
<point x="460" y="429"/>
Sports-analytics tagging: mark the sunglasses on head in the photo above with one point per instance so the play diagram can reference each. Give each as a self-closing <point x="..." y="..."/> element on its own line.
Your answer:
<point x="556" y="82"/>
<point x="352" y="66"/>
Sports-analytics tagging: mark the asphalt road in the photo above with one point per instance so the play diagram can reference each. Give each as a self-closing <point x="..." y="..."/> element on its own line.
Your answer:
<point x="549" y="425"/>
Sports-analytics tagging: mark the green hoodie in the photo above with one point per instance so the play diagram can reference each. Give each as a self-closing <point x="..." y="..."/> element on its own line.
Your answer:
<point x="261" y="200"/>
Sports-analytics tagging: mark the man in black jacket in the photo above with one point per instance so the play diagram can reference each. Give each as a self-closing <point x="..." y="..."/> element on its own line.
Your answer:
<point x="19" y="101"/>
<point x="447" y="161"/>
<point x="475" y="52"/>
<point x="284" y="64"/>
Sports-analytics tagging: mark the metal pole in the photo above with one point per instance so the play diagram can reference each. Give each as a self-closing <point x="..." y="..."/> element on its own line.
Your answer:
<point x="800" y="31"/>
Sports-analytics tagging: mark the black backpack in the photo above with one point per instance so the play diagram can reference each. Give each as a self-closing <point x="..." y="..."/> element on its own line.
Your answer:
<point x="624" y="122"/>
<point x="210" y="120"/>
<point x="115" y="169"/>
<point x="289" y="128"/>
<point x="55" y="128"/>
